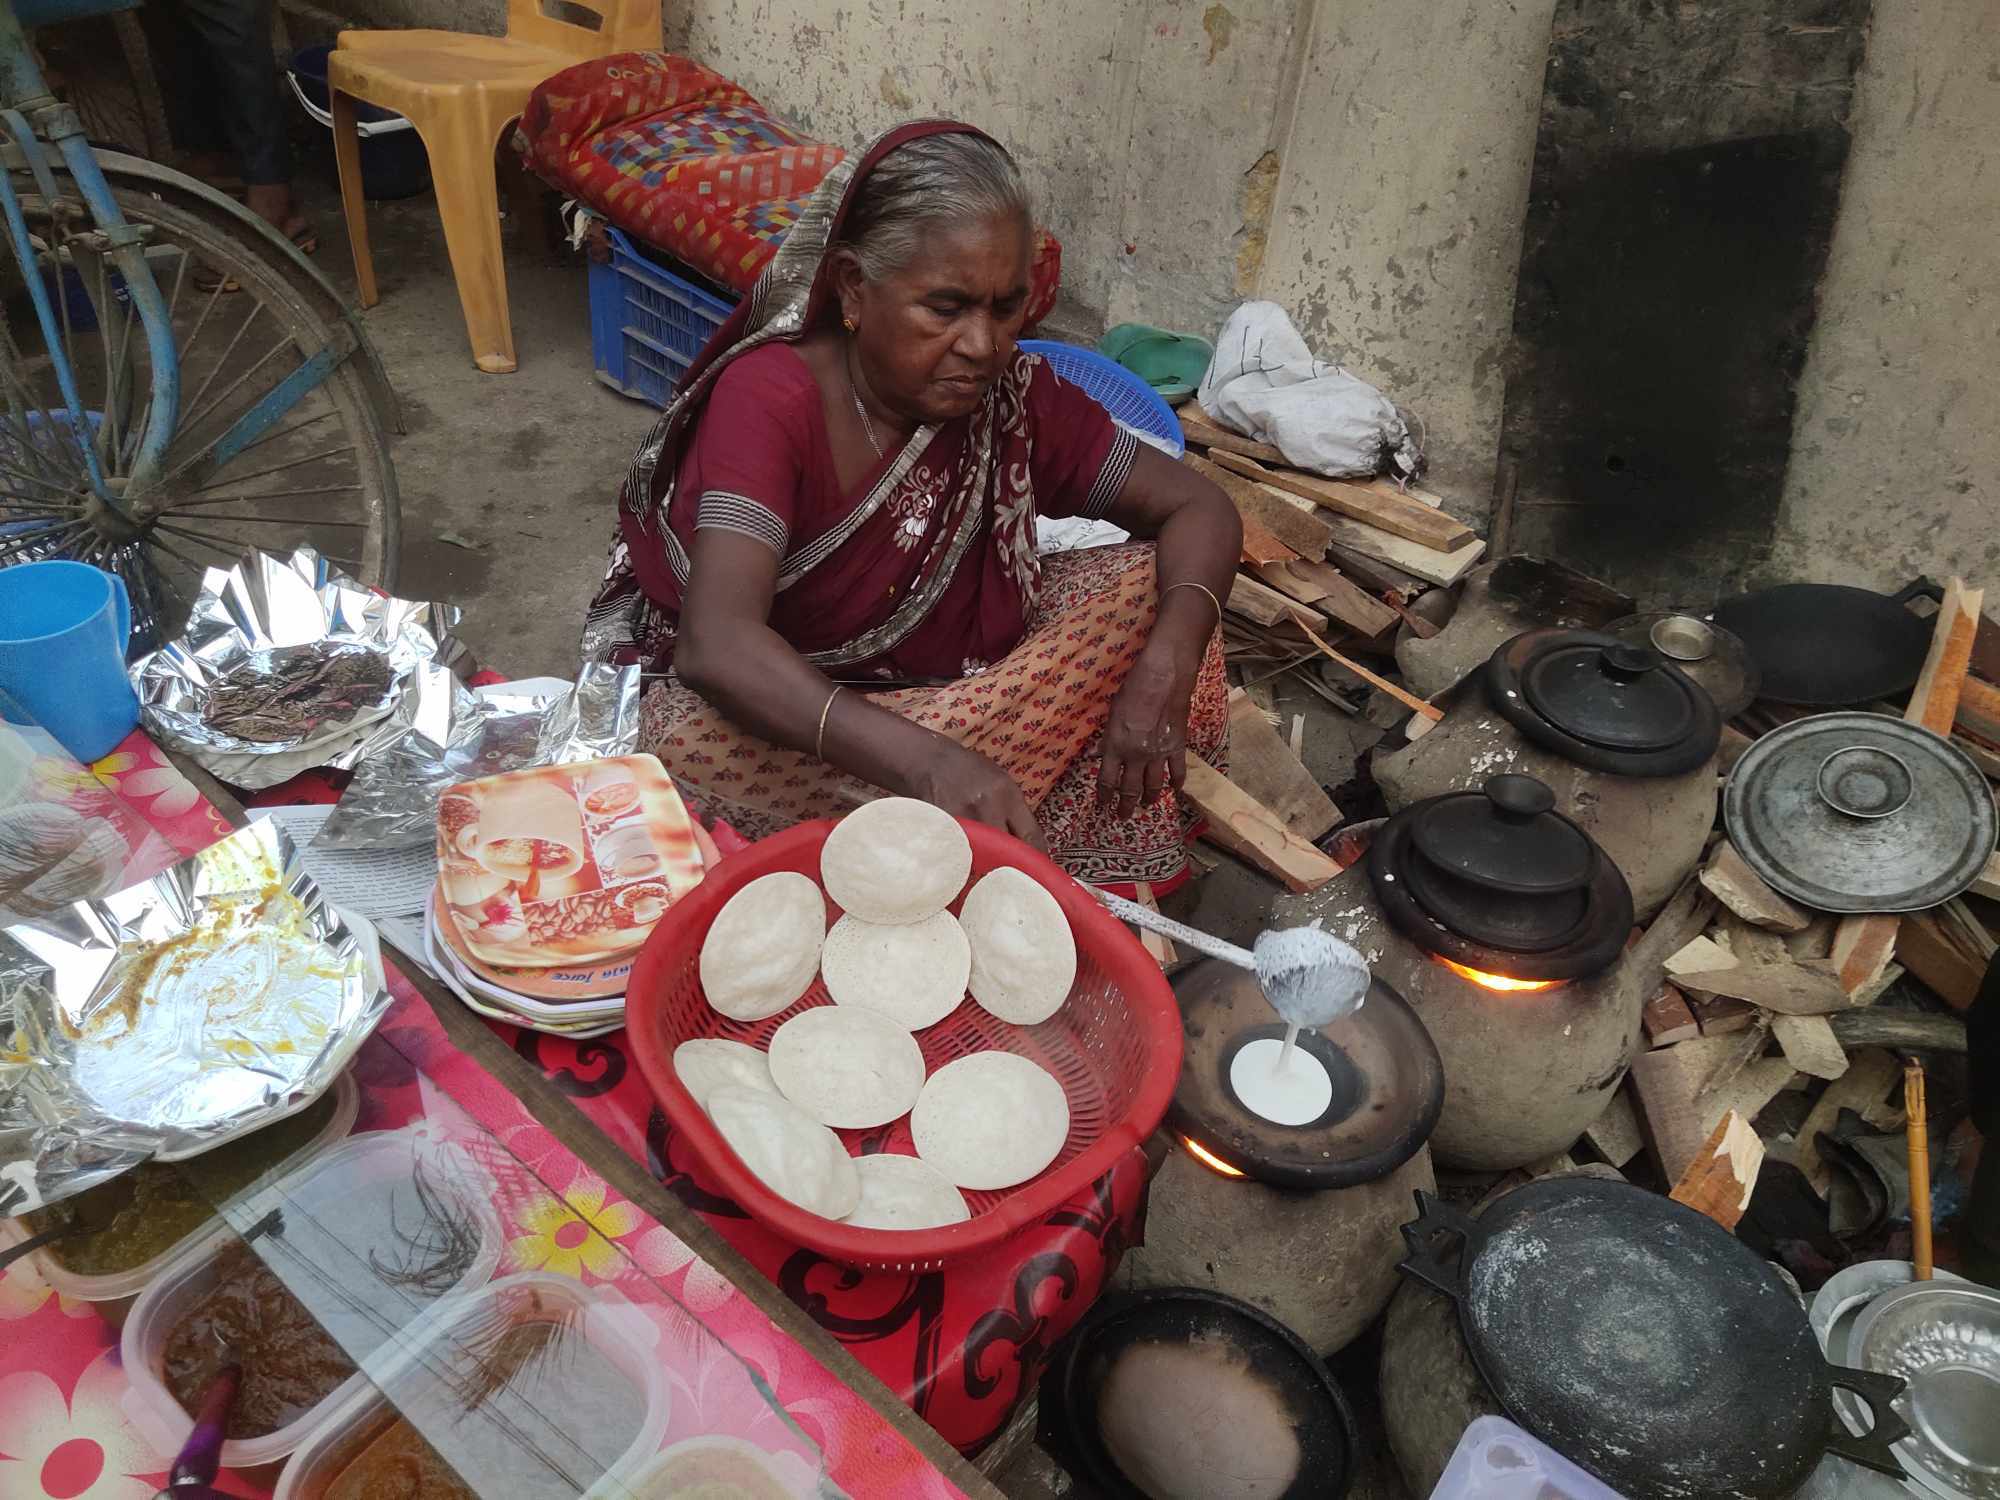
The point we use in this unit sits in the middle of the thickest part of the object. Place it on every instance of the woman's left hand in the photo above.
(1145, 735)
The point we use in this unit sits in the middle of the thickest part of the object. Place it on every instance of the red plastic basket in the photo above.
(1115, 1047)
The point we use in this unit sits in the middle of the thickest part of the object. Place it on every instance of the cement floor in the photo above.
(509, 485)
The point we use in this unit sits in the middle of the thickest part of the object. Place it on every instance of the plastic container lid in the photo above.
(317, 1204)
(356, 1413)
(116, 1286)
(1495, 1460)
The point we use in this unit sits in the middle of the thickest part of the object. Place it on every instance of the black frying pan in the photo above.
(1826, 645)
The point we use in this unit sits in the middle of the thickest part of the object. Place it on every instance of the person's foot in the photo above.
(272, 202)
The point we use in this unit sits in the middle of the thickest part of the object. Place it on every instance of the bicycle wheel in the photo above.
(246, 331)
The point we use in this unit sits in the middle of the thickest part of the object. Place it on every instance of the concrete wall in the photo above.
(1365, 163)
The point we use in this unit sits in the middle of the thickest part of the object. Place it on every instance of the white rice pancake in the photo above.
(709, 1063)
(1023, 956)
(762, 949)
(901, 1192)
(847, 1067)
(914, 974)
(895, 860)
(990, 1120)
(794, 1155)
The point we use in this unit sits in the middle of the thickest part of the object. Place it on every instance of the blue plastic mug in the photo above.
(64, 627)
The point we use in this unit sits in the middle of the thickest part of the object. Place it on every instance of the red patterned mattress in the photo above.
(679, 157)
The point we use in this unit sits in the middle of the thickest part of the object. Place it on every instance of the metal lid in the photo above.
(1709, 656)
(1388, 1084)
(1603, 702)
(1506, 837)
(1944, 1338)
(1854, 812)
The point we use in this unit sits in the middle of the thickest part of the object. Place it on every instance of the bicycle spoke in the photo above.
(217, 484)
(241, 329)
(19, 477)
(283, 432)
(41, 536)
(208, 505)
(201, 539)
(282, 521)
(235, 385)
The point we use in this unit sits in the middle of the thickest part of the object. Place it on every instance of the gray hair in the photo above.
(936, 179)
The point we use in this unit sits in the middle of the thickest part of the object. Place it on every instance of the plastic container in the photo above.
(1496, 1460)
(619, 1331)
(112, 1295)
(647, 322)
(1115, 1046)
(79, 618)
(311, 1201)
(1123, 394)
(394, 163)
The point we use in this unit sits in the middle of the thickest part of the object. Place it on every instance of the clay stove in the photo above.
(1287, 1191)
(1504, 925)
(1622, 737)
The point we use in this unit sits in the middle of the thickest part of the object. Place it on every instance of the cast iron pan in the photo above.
(1251, 1367)
(1642, 1340)
(1825, 645)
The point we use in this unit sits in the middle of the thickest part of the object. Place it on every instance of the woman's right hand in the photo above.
(968, 785)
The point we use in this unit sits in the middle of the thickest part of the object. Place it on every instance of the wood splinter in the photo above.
(1723, 1175)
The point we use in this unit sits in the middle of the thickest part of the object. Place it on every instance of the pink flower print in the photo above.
(79, 1449)
(23, 1290)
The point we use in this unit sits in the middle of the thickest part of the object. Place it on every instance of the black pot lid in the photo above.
(1549, 925)
(1826, 645)
(1603, 703)
(1153, 1387)
(1859, 812)
(1708, 655)
(1642, 1340)
(1388, 1084)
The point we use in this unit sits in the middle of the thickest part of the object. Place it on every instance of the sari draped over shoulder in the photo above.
(922, 583)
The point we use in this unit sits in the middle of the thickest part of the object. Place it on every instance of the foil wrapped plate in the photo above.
(286, 664)
(219, 996)
(1943, 1338)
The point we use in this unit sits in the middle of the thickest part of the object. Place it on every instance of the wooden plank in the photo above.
(1615, 1135)
(1722, 1015)
(1299, 524)
(1723, 1175)
(1441, 568)
(1262, 765)
(1978, 710)
(1810, 988)
(1291, 580)
(1265, 605)
(1374, 574)
(1869, 1077)
(1743, 891)
(1396, 514)
(1678, 1119)
(1165, 954)
(1250, 830)
(1199, 428)
(1381, 484)
(1408, 699)
(1908, 1030)
(1699, 954)
(1864, 945)
(1987, 882)
(1668, 1018)
(1260, 545)
(1942, 958)
(1810, 1045)
(1321, 584)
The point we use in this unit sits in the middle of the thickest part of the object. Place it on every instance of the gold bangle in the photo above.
(1191, 584)
(819, 740)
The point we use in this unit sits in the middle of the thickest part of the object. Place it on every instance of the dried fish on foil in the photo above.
(215, 998)
(392, 802)
(287, 664)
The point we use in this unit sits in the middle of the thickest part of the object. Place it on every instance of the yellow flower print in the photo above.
(569, 1238)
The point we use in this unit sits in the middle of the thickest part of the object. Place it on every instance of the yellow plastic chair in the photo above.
(461, 91)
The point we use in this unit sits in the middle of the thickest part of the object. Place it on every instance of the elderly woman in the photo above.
(827, 544)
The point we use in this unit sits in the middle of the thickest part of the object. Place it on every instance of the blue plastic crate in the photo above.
(647, 323)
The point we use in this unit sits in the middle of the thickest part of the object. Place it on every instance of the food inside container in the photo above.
(563, 865)
(535, 1388)
(292, 694)
(344, 1255)
(156, 1205)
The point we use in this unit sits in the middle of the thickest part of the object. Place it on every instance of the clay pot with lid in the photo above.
(1539, 1019)
(1624, 740)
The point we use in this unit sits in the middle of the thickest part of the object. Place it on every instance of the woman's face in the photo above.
(933, 336)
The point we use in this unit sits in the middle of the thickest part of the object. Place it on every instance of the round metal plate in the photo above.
(1388, 1084)
(1726, 673)
(1944, 1339)
(1926, 851)
(1644, 1341)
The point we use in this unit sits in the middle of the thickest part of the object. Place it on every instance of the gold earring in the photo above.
(848, 324)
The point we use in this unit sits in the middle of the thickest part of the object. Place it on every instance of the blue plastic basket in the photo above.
(647, 323)
(1128, 398)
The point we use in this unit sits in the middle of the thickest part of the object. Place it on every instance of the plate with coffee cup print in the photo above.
(564, 866)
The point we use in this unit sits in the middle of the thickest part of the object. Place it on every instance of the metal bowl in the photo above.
(1944, 1339)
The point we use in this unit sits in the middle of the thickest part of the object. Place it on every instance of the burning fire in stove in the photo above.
(1499, 982)
(1209, 1159)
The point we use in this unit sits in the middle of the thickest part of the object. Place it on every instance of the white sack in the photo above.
(1265, 383)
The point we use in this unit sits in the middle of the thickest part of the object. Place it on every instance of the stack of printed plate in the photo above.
(549, 881)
